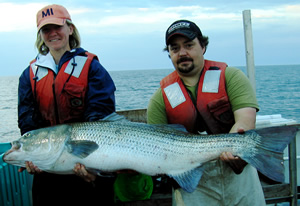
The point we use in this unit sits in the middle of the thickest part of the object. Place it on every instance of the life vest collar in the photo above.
(46, 61)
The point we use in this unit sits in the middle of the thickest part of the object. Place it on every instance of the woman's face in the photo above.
(56, 37)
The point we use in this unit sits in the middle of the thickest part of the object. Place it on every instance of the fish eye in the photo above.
(26, 135)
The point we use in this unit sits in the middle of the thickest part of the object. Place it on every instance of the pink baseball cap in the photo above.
(52, 14)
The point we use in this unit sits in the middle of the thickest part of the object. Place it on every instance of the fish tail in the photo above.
(268, 157)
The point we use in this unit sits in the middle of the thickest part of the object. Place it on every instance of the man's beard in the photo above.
(185, 70)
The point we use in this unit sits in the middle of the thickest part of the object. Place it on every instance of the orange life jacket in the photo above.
(61, 98)
(212, 108)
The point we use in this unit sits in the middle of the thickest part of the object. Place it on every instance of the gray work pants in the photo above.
(220, 186)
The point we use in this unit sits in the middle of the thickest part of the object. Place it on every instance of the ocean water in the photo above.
(277, 91)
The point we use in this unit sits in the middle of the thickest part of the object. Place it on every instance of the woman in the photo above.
(63, 84)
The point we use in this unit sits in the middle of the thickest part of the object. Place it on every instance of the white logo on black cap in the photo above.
(179, 25)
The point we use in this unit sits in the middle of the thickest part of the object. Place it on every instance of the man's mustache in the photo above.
(183, 59)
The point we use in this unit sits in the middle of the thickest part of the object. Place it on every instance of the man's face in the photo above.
(186, 55)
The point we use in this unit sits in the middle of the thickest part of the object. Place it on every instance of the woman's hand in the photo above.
(80, 171)
(31, 168)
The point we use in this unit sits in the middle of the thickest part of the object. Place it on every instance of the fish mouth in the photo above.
(10, 160)
(6, 157)
(9, 150)
(2, 158)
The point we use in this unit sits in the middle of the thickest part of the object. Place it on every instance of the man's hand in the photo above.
(235, 162)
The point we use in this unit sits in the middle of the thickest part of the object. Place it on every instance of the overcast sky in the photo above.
(129, 35)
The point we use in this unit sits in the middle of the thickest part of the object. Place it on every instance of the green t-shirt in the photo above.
(238, 87)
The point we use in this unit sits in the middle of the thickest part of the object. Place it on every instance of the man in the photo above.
(207, 96)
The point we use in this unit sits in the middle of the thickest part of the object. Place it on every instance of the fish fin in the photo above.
(188, 181)
(269, 156)
(81, 148)
(100, 172)
(113, 117)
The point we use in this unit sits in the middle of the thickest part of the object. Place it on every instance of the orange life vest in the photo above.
(212, 108)
(61, 98)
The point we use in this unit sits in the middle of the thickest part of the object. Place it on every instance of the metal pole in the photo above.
(293, 171)
(249, 47)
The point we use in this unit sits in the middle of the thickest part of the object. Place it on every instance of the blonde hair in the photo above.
(74, 40)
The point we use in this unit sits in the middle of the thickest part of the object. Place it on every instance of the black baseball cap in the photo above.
(183, 27)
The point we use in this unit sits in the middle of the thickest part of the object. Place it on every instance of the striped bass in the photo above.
(150, 149)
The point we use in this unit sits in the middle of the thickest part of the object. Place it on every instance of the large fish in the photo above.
(150, 149)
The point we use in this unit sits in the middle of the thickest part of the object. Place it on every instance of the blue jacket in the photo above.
(99, 101)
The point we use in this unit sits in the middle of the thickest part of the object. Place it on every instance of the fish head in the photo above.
(42, 147)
